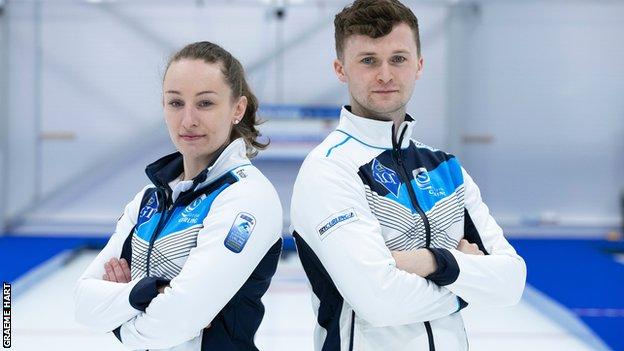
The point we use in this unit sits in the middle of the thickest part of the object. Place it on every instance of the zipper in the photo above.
(396, 152)
(430, 336)
(164, 218)
(412, 194)
(352, 330)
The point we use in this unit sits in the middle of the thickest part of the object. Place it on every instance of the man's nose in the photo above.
(384, 74)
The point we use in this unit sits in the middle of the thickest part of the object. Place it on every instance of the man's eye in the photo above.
(367, 60)
(205, 103)
(398, 59)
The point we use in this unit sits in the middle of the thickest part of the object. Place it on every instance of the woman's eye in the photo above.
(398, 59)
(205, 103)
(367, 60)
(175, 103)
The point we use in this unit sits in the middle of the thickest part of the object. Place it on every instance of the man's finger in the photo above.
(105, 277)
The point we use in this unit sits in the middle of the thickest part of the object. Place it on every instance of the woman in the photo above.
(195, 251)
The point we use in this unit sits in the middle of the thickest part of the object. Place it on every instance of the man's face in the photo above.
(380, 73)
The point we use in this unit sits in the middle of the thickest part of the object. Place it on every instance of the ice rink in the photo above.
(43, 318)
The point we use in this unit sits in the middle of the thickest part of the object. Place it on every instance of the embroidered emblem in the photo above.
(239, 232)
(241, 173)
(386, 177)
(189, 215)
(150, 208)
(335, 221)
(422, 178)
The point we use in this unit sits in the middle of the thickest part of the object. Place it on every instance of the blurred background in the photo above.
(528, 94)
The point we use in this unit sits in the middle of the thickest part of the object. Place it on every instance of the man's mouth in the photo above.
(385, 91)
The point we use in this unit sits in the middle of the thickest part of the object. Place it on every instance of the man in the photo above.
(392, 234)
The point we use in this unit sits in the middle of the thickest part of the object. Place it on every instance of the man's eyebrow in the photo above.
(401, 51)
(370, 53)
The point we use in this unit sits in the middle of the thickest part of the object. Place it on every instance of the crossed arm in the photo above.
(486, 270)
(422, 261)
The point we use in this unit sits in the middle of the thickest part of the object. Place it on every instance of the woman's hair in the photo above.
(234, 75)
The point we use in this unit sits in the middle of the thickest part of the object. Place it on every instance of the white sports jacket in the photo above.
(358, 196)
(215, 240)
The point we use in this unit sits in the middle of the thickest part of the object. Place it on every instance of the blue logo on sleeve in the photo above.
(386, 177)
(239, 232)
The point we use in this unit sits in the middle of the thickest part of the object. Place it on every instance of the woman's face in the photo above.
(199, 109)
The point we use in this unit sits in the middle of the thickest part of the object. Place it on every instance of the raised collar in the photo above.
(168, 168)
(372, 132)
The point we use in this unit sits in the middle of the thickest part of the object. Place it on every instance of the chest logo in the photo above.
(239, 232)
(189, 215)
(423, 181)
(151, 207)
(422, 178)
(386, 177)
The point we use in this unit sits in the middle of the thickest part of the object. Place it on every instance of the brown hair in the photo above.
(373, 18)
(234, 75)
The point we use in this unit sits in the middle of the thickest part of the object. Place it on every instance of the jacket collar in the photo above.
(373, 132)
(168, 168)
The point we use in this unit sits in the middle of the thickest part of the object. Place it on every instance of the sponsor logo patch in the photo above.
(336, 221)
(151, 207)
(239, 232)
(386, 177)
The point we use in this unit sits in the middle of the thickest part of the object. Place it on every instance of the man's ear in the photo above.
(421, 62)
(339, 70)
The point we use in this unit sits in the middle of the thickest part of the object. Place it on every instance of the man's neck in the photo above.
(397, 116)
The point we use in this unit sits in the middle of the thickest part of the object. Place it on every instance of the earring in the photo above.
(236, 121)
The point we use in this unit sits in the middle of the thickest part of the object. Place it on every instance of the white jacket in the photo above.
(204, 238)
(358, 196)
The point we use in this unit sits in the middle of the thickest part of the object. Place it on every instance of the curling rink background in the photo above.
(43, 318)
(528, 95)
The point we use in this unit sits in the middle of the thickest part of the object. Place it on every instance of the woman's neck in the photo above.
(194, 166)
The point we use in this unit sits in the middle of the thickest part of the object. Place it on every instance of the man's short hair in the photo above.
(373, 18)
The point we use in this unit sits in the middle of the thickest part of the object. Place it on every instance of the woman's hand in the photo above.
(117, 271)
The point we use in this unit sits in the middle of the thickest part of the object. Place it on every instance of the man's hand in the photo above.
(420, 261)
(161, 289)
(117, 271)
(468, 248)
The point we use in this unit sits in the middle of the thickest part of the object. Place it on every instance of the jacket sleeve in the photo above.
(330, 212)
(215, 269)
(100, 304)
(496, 279)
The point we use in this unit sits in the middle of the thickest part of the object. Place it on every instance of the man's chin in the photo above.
(385, 109)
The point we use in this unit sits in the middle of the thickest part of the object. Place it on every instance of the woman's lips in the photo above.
(191, 137)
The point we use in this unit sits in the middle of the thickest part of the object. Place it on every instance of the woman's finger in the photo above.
(126, 269)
